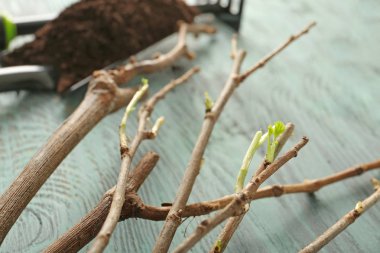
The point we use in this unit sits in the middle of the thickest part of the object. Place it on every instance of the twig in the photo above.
(161, 61)
(240, 200)
(90, 225)
(344, 222)
(130, 108)
(127, 154)
(174, 217)
(308, 186)
(269, 57)
(284, 137)
(234, 222)
(103, 97)
(83, 232)
(247, 161)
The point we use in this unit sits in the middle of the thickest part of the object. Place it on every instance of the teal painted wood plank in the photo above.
(327, 84)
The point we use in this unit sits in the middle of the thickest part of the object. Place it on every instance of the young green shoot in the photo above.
(274, 131)
(130, 108)
(255, 144)
(218, 246)
(157, 125)
(208, 102)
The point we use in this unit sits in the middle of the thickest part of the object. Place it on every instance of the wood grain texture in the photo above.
(326, 83)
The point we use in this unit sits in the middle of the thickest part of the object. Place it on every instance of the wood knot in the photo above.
(242, 197)
(359, 170)
(132, 206)
(261, 64)
(204, 223)
(149, 135)
(102, 82)
(124, 151)
(356, 214)
(148, 108)
(277, 190)
(237, 79)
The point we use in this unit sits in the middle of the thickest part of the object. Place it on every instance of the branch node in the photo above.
(359, 208)
(278, 190)
(208, 102)
(176, 217)
(211, 115)
(190, 55)
(124, 150)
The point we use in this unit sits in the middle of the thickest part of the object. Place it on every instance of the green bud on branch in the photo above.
(255, 144)
(130, 108)
(208, 102)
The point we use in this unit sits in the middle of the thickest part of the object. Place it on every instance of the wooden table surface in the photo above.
(327, 84)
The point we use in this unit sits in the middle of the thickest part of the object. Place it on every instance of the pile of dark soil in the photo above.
(94, 33)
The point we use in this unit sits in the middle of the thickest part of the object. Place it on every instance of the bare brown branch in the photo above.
(126, 73)
(344, 222)
(83, 232)
(266, 59)
(137, 209)
(127, 155)
(234, 222)
(236, 206)
(309, 186)
(103, 96)
(174, 217)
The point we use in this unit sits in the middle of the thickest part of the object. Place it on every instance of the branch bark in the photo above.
(344, 222)
(174, 217)
(103, 96)
(135, 209)
(83, 232)
(127, 154)
(309, 186)
(236, 206)
(233, 223)
(125, 73)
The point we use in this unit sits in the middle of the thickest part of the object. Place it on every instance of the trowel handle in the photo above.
(10, 28)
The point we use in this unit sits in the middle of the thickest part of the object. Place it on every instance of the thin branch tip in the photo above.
(376, 183)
